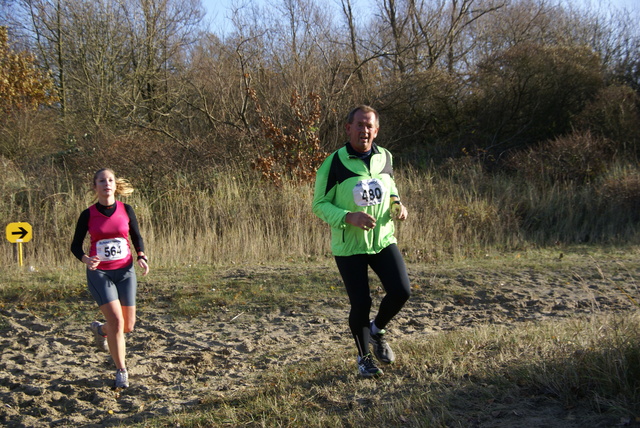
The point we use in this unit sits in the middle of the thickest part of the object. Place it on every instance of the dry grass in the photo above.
(490, 375)
(455, 212)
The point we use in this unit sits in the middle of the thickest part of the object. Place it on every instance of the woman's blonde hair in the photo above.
(123, 187)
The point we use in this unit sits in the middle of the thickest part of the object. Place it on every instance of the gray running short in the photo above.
(109, 285)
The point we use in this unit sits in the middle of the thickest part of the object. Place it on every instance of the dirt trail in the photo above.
(51, 374)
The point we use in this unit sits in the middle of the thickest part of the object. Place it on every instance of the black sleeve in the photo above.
(134, 230)
(82, 227)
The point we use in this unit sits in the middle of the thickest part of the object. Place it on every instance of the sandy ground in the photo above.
(52, 375)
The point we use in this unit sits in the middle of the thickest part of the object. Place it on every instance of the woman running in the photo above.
(110, 274)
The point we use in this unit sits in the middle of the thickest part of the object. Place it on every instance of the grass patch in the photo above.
(262, 288)
(576, 370)
(51, 293)
(587, 367)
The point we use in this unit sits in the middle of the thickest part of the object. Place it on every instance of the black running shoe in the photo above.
(381, 348)
(367, 366)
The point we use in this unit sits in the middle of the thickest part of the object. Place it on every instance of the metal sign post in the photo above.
(17, 233)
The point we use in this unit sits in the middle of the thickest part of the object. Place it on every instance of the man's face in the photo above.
(362, 131)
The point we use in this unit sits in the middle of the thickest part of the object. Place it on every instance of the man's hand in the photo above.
(362, 220)
(399, 211)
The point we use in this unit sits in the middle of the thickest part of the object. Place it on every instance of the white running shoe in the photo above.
(122, 378)
(100, 340)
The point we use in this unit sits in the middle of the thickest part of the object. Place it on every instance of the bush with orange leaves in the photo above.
(22, 85)
(292, 156)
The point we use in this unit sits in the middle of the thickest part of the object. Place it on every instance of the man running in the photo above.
(355, 193)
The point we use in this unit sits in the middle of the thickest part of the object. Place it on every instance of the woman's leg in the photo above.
(114, 329)
(120, 314)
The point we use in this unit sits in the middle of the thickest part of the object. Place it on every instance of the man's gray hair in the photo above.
(366, 109)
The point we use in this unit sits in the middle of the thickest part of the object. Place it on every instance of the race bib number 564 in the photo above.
(112, 249)
(368, 192)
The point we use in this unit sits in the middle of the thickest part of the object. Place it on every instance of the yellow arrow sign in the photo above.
(19, 232)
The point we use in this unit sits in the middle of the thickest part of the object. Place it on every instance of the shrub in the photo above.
(576, 158)
(614, 114)
(619, 193)
(294, 154)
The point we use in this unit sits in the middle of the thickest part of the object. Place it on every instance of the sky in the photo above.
(218, 10)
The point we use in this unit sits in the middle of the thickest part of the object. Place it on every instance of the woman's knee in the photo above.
(129, 314)
(115, 325)
(120, 324)
(129, 324)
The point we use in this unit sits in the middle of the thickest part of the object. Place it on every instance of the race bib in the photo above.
(112, 249)
(368, 192)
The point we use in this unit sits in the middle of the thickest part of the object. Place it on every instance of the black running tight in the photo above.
(389, 265)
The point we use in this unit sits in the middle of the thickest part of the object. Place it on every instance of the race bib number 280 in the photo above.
(112, 249)
(368, 192)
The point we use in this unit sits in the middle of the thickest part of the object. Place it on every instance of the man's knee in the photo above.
(400, 295)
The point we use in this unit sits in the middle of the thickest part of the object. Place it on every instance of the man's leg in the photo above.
(390, 268)
(354, 272)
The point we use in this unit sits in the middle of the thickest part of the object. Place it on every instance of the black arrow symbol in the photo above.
(23, 232)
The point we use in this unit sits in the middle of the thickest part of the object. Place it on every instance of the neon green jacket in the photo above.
(344, 184)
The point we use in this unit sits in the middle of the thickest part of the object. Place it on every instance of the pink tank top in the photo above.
(110, 237)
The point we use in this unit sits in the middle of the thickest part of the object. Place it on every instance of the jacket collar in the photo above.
(353, 154)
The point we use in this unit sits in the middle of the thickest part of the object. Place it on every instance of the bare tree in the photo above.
(115, 62)
(347, 10)
(444, 29)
